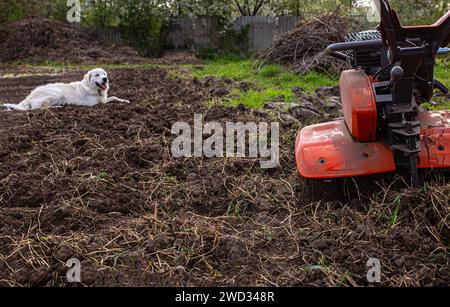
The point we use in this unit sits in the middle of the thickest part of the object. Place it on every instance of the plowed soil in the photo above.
(100, 184)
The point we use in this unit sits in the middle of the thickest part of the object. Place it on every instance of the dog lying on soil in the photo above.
(92, 90)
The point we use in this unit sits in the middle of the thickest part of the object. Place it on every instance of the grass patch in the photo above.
(442, 71)
(271, 81)
(276, 82)
(442, 74)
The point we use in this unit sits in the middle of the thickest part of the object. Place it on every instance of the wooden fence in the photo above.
(202, 31)
(263, 30)
(111, 35)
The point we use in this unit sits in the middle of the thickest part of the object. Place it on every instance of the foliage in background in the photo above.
(105, 11)
(14, 10)
(56, 10)
(252, 7)
(230, 41)
(138, 20)
(234, 41)
(10, 11)
(101, 13)
(147, 22)
(307, 8)
(420, 12)
(177, 8)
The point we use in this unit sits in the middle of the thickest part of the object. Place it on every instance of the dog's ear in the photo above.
(87, 77)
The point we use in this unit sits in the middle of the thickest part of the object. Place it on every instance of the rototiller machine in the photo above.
(384, 129)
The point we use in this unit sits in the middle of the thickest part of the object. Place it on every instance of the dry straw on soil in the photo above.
(100, 184)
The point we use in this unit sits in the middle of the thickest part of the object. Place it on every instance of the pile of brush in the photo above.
(303, 48)
(36, 40)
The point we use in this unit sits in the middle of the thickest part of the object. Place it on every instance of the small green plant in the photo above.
(302, 233)
(268, 233)
(100, 176)
(185, 250)
(394, 216)
(310, 268)
(233, 210)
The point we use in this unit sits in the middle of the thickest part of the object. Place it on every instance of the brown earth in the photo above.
(100, 184)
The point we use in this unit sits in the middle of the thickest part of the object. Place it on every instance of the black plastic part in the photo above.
(336, 50)
(438, 85)
(415, 180)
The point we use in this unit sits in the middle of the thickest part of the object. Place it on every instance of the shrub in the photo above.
(10, 11)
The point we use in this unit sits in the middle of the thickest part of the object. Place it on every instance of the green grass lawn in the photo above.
(442, 72)
(271, 81)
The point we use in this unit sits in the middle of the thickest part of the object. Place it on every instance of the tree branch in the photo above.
(258, 5)
(239, 7)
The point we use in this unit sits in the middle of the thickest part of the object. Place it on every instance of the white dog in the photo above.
(89, 92)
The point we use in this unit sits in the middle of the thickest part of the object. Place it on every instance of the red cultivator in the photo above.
(384, 128)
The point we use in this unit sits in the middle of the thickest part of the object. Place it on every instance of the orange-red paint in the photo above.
(328, 151)
(358, 102)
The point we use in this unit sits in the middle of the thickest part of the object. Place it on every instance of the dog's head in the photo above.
(97, 79)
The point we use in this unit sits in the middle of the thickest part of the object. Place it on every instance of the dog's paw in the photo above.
(126, 101)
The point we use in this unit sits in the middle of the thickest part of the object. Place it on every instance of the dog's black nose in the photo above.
(105, 79)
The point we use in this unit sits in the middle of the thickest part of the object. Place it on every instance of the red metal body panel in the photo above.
(328, 150)
(435, 138)
(358, 102)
